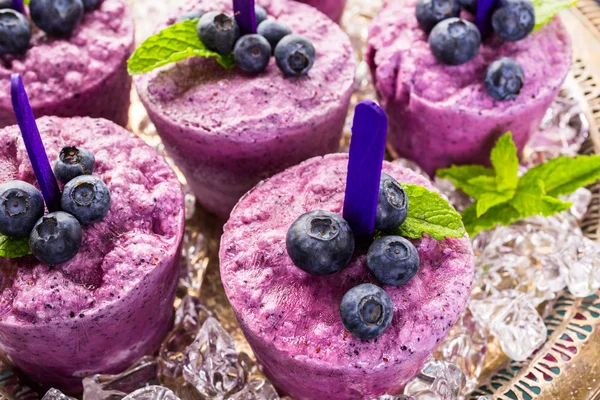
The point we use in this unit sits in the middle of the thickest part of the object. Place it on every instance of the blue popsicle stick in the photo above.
(33, 143)
(482, 19)
(367, 149)
(18, 6)
(245, 15)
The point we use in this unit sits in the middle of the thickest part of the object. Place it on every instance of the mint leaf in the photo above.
(492, 199)
(506, 163)
(26, 2)
(533, 200)
(174, 43)
(564, 175)
(502, 214)
(545, 10)
(11, 247)
(462, 176)
(428, 212)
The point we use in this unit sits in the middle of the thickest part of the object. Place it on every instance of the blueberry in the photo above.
(320, 243)
(218, 32)
(252, 53)
(21, 205)
(195, 14)
(87, 198)
(454, 41)
(393, 260)
(430, 12)
(91, 5)
(15, 32)
(261, 14)
(56, 238)
(514, 19)
(73, 162)
(469, 5)
(6, 4)
(274, 31)
(366, 311)
(295, 55)
(56, 17)
(392, 204)
(504, 79)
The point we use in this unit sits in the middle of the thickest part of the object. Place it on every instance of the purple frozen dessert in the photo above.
(292, 319)
(82, 75)
(113, 302)
(332, 8)
(442, 115)
(227, 129)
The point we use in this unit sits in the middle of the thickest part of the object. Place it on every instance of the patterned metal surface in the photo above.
(567, 366)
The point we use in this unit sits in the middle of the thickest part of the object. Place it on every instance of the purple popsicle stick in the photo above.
(367, 148)
(33, 143)
(18, 6)
(245, 15)
(482, 19)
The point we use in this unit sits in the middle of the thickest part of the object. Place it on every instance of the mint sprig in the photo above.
(546, 10)
(501, 197)
(174, 43)
(430, 213)
(11, 247)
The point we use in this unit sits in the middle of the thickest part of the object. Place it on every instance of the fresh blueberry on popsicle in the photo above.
(295, 55)
(15, 32)
(252, 53)
(455, 41)
(261, 14)
(392, 204)
(56, 238)
(56, 17)
(430, 12)
(393, 260)
(91, 5)
(87, 198)
(21, 206)
(366, 311)
(504, 79)
(72, 162)
(514, 19)
(274, 31)
(320, 243)
(6, 4)
(218, 32)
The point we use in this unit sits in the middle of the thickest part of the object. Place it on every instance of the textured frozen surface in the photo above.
(227, 130)
(56, 323)
(85, 75)
(291, 319)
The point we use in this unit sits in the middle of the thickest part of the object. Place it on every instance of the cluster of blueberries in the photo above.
(455, 41)
(322, 243)
(55, 17)
(56, 237)
(295, 54)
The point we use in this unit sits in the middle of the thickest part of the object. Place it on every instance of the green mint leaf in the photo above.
(533, 200)
(546, 10)
(490, 200)
(564, 175)
(174, 43)
(26, 2)
(506, 162)
(428, 212)
(502, 214)
(11, 247)
(462, 176)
